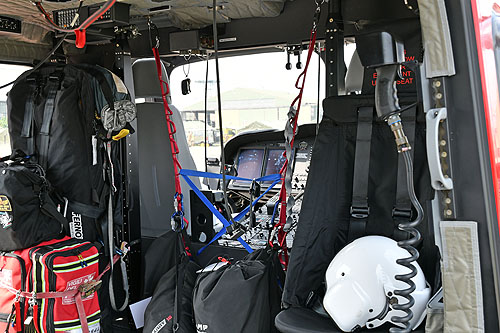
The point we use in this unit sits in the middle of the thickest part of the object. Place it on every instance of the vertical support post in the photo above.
(131, 231)
(334, 47)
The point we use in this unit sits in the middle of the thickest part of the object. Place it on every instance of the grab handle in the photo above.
(433, 117)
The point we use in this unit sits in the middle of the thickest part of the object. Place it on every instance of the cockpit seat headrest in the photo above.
(146, 82)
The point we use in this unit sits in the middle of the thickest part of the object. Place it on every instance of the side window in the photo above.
(9, 73)
(256, 92)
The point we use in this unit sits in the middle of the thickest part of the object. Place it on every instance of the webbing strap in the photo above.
(402, 207)
(275, 178)
(195, 173)
(29, 111)
(87, 210)
(359, 206)
(165, 90)
(287, 202)
(48, 112)
(180, 272)
(217, 214)
(49, 209)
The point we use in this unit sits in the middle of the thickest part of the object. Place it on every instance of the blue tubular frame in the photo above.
(185, 174)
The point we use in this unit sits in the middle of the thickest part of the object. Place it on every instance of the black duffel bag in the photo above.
(243, 297)
(28, 215)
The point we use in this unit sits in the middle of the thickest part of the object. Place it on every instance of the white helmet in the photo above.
(360, 285)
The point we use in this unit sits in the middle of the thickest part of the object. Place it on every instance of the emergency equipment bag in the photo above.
(28, 215)
(67, 267)
(15, 267)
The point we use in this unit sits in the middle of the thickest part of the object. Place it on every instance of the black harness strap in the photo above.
(48, 112)
(29, 111)
(402, 208)
(180, 272)
(359, 207)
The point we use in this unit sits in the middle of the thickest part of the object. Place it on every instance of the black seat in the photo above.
(324, 221)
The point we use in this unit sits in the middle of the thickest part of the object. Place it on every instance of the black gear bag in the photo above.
(28, 215)
(171, 306)
(242, 297)
(55, 115)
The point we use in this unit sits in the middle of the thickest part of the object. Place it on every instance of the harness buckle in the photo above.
(401, 213)
(360, 212)
(89, 288)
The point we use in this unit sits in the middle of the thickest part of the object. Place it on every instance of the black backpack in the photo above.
(243, 297)
(28, 215)
(54, 115)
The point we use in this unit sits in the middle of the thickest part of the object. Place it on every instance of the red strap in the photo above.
(297, 102)
(81, 313)
(81, 38)
(165, 90)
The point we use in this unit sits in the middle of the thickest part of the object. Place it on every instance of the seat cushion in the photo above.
(302, 320)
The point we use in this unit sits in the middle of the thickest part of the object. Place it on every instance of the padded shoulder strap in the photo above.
(29, 110)
(48, 112)
(359, 207)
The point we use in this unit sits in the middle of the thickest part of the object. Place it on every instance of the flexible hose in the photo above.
(408, 245)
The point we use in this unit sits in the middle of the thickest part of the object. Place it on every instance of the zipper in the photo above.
(36, 248)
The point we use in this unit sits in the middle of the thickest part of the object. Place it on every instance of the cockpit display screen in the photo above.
(250, 163)
(275, 161)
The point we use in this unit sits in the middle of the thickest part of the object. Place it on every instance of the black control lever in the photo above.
(386, 98)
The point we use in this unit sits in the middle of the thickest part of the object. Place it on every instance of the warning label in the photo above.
(407, 76)
(6, 277)
(74, 284)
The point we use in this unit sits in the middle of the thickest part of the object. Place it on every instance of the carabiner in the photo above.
(151, 27)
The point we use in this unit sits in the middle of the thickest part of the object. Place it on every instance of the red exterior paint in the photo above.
(481, 10)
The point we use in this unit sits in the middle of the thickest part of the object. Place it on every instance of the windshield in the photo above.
(9, 73)
(256, 93)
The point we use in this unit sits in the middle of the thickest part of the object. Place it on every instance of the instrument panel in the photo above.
(251, 156)
(255, 161)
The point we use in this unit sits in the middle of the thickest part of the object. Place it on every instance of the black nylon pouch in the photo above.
(241, 297)
(25, 208)
(159, 315)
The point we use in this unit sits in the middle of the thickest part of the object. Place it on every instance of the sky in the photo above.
(258, 71)
(9, 73)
